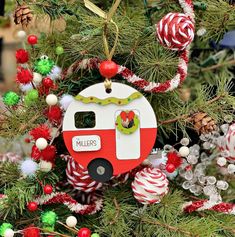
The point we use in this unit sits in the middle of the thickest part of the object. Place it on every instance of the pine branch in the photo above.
(169, 227)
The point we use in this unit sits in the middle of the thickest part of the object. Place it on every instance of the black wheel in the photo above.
(100, 170)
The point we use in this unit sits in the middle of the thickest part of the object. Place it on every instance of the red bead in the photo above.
(48, 189)
(84, 232)
(108, 69)
(32, 39)
(170, 168)
(47, 82)
(32, 206)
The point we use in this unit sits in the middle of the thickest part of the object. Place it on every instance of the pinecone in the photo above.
(23, 15)
(202, 122)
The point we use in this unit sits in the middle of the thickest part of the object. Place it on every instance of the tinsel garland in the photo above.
(202, 205)
(72, 204)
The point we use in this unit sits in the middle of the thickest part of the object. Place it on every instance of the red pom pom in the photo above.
(22, 56)
(31, 231)
(54, 114)
(84, 232)
(48, 189)
(49, 153)
(35, 153)
(23, 76)
(170, 168)
(108, 69)
(41, 131)
(48, 82)
(32, 206)
(174, 159)
(32, 39)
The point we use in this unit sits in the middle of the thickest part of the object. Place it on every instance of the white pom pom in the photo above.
(21, 34)
(45, 166)
(51, 99)
(9, 233)
(41, 143)
(55, 73)
(66, 100)
(26, 87)
(28, 167)
(184, 151)
(71, 221)
(37, 78)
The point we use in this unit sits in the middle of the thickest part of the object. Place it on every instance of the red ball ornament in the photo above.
(170, 168)
(32, 206)
(32, 39)
(22, 56)
(108, 69)
(31, 231)
(48, 189)
(84, 232)
(48, 82)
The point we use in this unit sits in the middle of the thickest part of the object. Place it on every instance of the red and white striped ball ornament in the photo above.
(150, 185)
(175, 31)
(229, 144)
(78, 176)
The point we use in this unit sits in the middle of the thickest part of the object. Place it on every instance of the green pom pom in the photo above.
(11, 98)
(49, 218)
(59, 50)
(4, 227)
(95, 235)
(32, 94)
(44, 65)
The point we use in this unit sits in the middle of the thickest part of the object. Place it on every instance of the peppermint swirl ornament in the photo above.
(79, 178)
(150, 185)
(175, 31)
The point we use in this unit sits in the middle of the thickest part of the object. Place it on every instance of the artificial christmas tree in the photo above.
(68, 84)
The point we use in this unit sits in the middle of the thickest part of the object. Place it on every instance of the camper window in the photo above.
(84, 119)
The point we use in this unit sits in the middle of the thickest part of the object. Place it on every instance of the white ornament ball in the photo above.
(221, 161)
(150, 185)
(45, 166)
(66, 100)
(184, 151)
(9, 233)
(231, 168)
(28, 167)
(37, 77)
(41, 143)
(71, 221)
(51, 99)
(21, 34)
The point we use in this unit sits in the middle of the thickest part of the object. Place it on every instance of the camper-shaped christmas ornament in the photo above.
(109, 133)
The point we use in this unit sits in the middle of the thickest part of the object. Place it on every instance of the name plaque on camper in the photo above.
(86, 143)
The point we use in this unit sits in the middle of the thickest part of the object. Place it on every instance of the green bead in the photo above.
(11, 98)
(95, 235)
(32, 94)
(59, 50)
(4, 227)
(49, 218)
